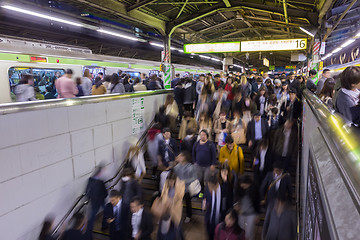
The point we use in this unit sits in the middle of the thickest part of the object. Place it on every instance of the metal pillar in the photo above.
(167, 62)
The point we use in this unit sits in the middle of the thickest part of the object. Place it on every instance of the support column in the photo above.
(167, 62)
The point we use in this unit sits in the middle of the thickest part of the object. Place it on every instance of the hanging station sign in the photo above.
(274, 45)
(219, 47)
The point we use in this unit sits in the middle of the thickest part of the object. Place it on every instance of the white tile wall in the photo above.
(10, 163)
(37, 154)
(82, 141)
(102, 135)
(8, 132)
(52, 156)
(84, 163)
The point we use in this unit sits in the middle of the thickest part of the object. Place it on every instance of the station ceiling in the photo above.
(191, 21)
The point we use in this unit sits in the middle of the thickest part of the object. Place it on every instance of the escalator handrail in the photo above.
(141, 143)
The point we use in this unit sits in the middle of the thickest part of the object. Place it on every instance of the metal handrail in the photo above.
(141, 142)
(345, 140)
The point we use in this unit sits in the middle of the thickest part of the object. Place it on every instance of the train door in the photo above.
(94, 71)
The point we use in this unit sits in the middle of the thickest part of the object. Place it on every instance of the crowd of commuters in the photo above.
(216, 118)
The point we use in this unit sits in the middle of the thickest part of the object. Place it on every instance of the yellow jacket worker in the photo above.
(233, 155)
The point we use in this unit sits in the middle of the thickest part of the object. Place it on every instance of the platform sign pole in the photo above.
(167, 64)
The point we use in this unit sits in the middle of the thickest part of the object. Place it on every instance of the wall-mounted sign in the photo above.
(290, 67)
(138, 111)
(253, 69)
(266, 62)
(219, 47)
(38, 59)
(271, 67)
(274, 45)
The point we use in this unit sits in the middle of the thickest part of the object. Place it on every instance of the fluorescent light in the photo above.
(215, 59)
(192, 54)
(157, 44)
(118, 35)
(180, 50)
(203, 56)
(337, 50)
(358, 34)
(347, 43)
(16, 9)
(306, 31)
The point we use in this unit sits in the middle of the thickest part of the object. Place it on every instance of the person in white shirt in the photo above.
(141, 221)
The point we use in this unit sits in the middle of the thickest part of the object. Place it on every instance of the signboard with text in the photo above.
(274, 45)
(219, 47)
(137, 116)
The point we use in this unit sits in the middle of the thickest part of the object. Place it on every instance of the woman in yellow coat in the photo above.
(232, 154)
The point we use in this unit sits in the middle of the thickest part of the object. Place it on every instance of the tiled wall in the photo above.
(47, 156)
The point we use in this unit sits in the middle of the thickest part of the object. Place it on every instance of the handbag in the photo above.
(157, 208)
(194, 188)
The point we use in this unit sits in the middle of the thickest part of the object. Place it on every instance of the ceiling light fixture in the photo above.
(347, 43)
(40, 15)
(203, 56)
(118, 35)
(157, 45)
(307, 32)
(337, 50)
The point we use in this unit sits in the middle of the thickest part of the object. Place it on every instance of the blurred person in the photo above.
(188, 122)
(129, 186)
(327, 92)
(136, 158)
(175, 80)
(98, 88)
(144, 79)
(245, 86)
(161, 118)
(115, 85)
(46, 229)
(117, 216)
(141, 222)
(154, 136)
(277, 86)
(208, 88)
(204, 156)
(248, 108)
(127, 84)
(256, 85)
(65, 86)
(237, 103)
(205, 123)
(263, 161)
(217, 82)
(348, 95)
(24, 91)
(222, 128)
(107, 83)
(293, 82)
(321, 81)
(261, 100)
(79, 87)
(232, 154)
(275, 120)
(283, 95)
(189, 95)
(153, 84)
(188, 142)
(229, 229)
(179, 98)
(86, 83)
(285, 143)
(168, 208)
(215, 202)
(291, 109)
(238, 129)
(78, 230)
(272, 183)
(203, 105)
(302, 85)
(100, 75)
(171, 110)
(229, 92)
(96, 193)
(187, 173)
(270, 104)
(269, 87)
(310, 84)
(265, 77)
(139, 86)
(200, 84)
(49, 93)
(168, 149)
(247, 205)
(280, 223)
(38, 94)
(219, 99)
(257, 130)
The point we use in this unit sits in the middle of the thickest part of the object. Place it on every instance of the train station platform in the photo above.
(49, 149)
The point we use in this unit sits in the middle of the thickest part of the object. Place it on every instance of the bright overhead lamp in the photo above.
(180, 50)
(337, 50)
(347, 43)
(203, 56)
(157, 45)
(358, 34)
(215, 59)
(39, 15)
(307, 32)
(118, 35)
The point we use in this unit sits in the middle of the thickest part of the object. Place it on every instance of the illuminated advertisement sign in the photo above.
(253, 69)
(274, 45)
(38, 59)
(290, 67)
(212, 47)
(266, 62)
(271, 67)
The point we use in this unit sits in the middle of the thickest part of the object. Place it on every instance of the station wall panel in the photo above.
(47, 156)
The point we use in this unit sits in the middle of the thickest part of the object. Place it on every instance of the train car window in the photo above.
(152, 72)
(94, 71)
(133, 75)
(44, 78)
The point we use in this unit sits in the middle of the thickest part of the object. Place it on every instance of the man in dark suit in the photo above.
(263, 161)
(78, 230)
(96, 193)
(291, 109)
(257, 129)
(116, 214)
(167, 149)
(293, 83)
(141, 222)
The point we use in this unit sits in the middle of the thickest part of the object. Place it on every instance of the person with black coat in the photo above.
(162, 118)
(179, 97)
(117, 215)
(188, 142)
(78, 230)
(257, 129)
(140, 222)
(129, 186)
(291, 109)
(263, 161)
(96, 193)
(247, 205)
(168, 149)
(293, 82)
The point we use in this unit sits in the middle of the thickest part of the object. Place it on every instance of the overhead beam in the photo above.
(181, 3)
(181, 10)
(227, 3)
(139, 5)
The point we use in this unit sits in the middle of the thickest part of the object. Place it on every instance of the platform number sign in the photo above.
(137, 115)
